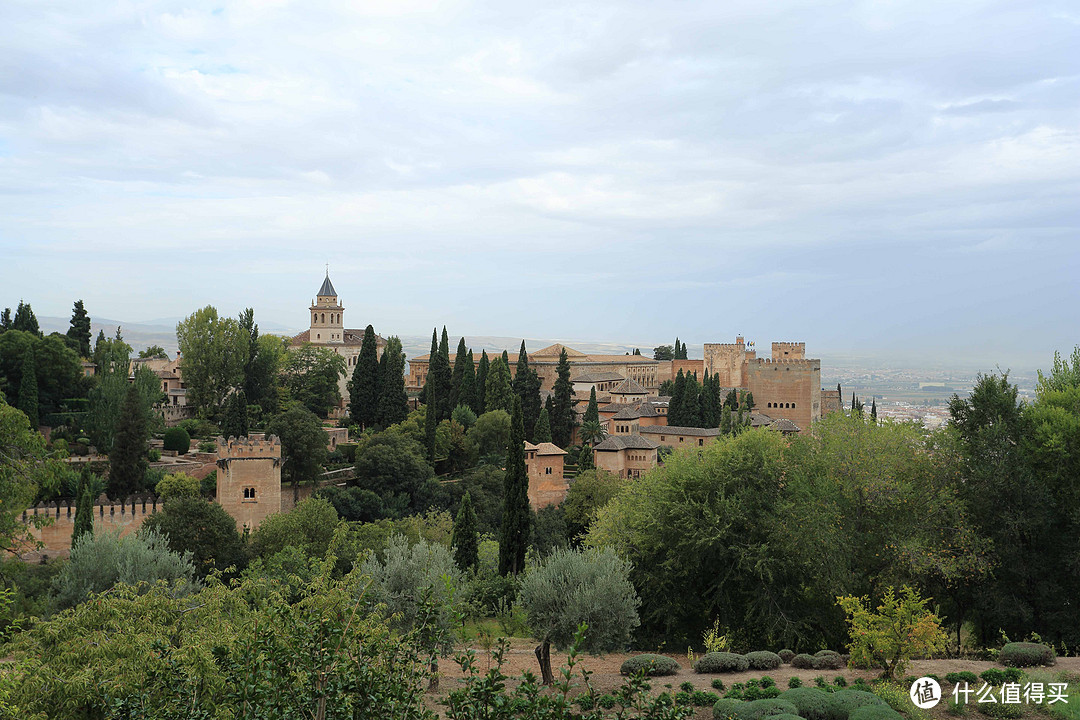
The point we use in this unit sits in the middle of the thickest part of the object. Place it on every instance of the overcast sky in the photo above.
(864, 176)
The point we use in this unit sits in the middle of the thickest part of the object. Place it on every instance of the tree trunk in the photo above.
(543, 656)
(433, 681)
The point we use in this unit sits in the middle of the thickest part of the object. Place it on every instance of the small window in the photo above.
(700, 442)
(681, 439)
(661, 438)
(547, 471)
(249, 494)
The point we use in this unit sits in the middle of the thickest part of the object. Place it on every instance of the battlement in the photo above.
(809, 363)
(794, 350)
(256, 445)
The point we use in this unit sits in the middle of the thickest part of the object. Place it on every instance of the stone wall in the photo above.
(108, 516)
(786, 389)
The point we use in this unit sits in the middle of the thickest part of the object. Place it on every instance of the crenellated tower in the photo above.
(249, 478)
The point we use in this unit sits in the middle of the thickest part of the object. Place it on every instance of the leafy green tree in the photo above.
(394, 466)
(102, 561)
(591, 490)
(25, 319)
(177, 485)
(514, 534)
(527, 387)
(25, 467)
(463, 416)
(353, 503)
(309, 526)
(542, 433)
(200, 530)
(108, 395)
(235, 424)
(154, 351)
(482, 369)
(571, 588)
(57, 372)
(5, 320)
(363, 388)
(393, 402)
(127, 461)
(901, 629)
(585, 457)
(562, 416)
(466, 540)
(1064, 375)
(499, 393)
(79, 332)
(491, 433)
(215, 352)
(303, 445)
(28, 390)
(311, 376)
(663, 352)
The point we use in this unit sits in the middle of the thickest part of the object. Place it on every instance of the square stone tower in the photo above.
(249, 478)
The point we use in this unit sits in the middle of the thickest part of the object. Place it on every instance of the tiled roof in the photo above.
(626, 442)
(555, 350)
(785, 426)
(760, 419)
(546, 448)
(350, 337)
(640, 409)
(327, 287)
(597, 377)
(628, 387)
(676, 430)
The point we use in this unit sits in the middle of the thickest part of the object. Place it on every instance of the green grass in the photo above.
(1059, 710)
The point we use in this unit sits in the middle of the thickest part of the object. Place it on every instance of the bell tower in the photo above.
(327, 316)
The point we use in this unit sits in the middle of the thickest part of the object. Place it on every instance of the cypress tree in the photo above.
(25, 319)
(84, 508)
(458, 376)
(853, 402)
(79, 331)
(5, 320)
(592, 412)
(363, 387)
(725, 420)
(393, 402)
(690, 408)
(430, 423)
(482, 370)
(710, 401)
(514, 533)
(467, 390)
(542, 433)
(585, 458)
(527, 387)
(465, 539)
(28, 389)
(677, 354)
(675, 405)
(499, 393)
(732, 399)
(749, 401)
(873, 410)
(235, 424)
(444, 375)
(562, 416)
(127, 461)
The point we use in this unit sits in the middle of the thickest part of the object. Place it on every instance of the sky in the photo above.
(887, 177)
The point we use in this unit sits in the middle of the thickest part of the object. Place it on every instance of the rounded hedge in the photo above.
(828, 660)
(176, 439)
(652, 665)
(724, 709)
(764, 708)
(718, 662)
(763, 660)
(802, 661)
(955, 678)
(848, 701)
(812, 704)
(1025, 654)
(875, 712)
(786, 655)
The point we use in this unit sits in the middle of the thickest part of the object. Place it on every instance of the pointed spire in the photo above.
(327, 288)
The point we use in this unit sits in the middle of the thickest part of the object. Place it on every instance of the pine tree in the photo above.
(592, 412)
(28, 389)
(25, 319)
(84, 508)
(514, 533)
(499, 394)
(675, 405)
(562, 416)
(467, 390)
(430, 422)
(444, 374)
(527, 387)
(363, 386)
(458, 375)
(79, 331)
(542, 433)
(235, 424)
(393, 402)
(127, 461)
(465, 539)
(482, 370)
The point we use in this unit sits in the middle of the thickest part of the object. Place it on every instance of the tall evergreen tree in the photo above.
(482, 370)
(731, 401)
(467, 390)
(28, 389)
(853, 402)
(527, 387)
(444, 374)
(725, 420)
(873, 410)
(514, 533)
(363, 387)
(432, 361)
(562, 417)
(542, 433)
(25, 319)
(235, 424)
(84, 508)
(678, 354)
(748, 401)
(710, 401)
(5, 320)
(465, 539)
(458, 376)
(585, 458)
(499, 394)
(690, 408)
(127, 461)
(430, 422)
(592, 412)
(79, 331)
(675, 405)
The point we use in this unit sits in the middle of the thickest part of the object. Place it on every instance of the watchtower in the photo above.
(249, 478)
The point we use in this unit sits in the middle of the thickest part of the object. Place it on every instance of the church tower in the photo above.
(327, 316)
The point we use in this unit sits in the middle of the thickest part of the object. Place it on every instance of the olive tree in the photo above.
(572, 587)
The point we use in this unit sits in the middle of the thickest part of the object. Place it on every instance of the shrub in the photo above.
(763, 660)
(725, 708)
(993, 676)
(812, 704)
(956, 708)
(839, 681)
(177, 440)
(201, 530)
(687, 686)
(828, 660)
(767, 682)
(819, 681)
(1026, 654)
(802, 661)
(703, 698)
(757, 692)
(682, 698)
(785, 655)
(848, 701)
(794, 682)
(606, 701)
(900, 628)
(860, 684)
(207, 446)
(764, 708)
(651, 665)
(875, 712)
(154, 454)
(718, 662)
(585, 701)
(955, 678)
(717, 684)
(177, 485)
(1007, 711)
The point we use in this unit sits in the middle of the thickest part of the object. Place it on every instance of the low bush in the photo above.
(767, 682)
(819, 681)
(687, 686)
(585, 701)
(955, 678)
(651, 665)
(875, 712)
(785, 655)
(682, 698)
(956, 709)
(839, 681)
(724, 709)
(606, 701)
(860, 684)
(993, 676)
(847, 702)
(703, 698)
(794, 682)
(177, 440)
(763, 660)
(812, 704)
(764, 708)
(717, 684)
(802, 661)
(1005, 711)
(718, 662)
(828, 660)
(757, 692)
(1026, 654)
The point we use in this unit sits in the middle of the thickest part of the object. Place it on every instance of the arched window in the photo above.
(324, 317)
